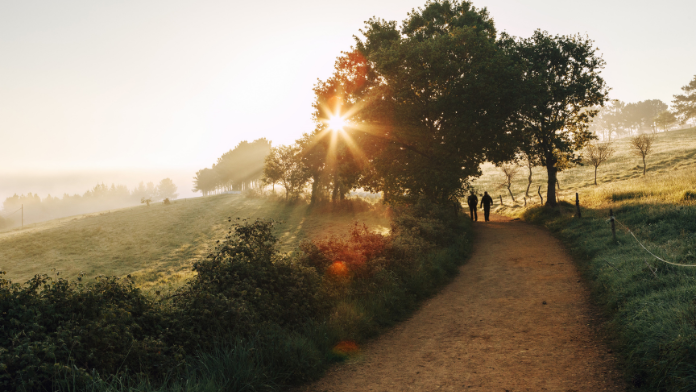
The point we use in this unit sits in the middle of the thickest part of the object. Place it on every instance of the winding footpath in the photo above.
(516, 318)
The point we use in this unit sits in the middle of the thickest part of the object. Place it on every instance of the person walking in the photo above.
(486, 202)
(472, 200)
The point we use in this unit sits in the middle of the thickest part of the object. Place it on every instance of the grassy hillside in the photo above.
(651, 304)
(674, 156)
(157, 244)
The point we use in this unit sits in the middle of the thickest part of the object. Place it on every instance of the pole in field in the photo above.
(577, 205)
(22, 216)
(613, 228)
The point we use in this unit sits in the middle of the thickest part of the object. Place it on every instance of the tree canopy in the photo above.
(561, 88)
(685, 104)
(427, 103)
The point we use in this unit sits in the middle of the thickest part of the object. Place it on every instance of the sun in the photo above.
(336, 123)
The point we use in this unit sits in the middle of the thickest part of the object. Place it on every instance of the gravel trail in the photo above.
(516, 318)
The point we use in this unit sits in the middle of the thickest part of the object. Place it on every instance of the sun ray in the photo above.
(354, 148)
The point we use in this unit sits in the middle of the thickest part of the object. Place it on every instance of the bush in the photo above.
(246, 283)
(250, 319)
(50, 329)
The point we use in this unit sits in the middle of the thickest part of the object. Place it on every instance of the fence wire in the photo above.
(648, 250)
(17, 210)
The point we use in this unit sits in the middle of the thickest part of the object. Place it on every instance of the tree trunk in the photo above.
(529, 183)
(315, 189)
(334, 193)
(595, 175)
(511, 196)
(644, 167)
(551, 188)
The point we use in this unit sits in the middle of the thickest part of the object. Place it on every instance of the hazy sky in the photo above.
(149, 86)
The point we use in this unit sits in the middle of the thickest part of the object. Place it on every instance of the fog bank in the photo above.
(57, 183)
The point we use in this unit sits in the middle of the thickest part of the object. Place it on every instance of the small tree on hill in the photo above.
(166, 189)
(529, 163)
(642, 147)
(510, 172)
(598, 153)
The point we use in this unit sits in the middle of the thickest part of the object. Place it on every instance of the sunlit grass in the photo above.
(671, 175)
(650, 304)
(157, 245)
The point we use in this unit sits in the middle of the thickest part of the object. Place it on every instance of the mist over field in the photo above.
(123, 185)
(79, 181)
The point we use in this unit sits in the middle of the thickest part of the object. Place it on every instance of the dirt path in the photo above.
(517, 318)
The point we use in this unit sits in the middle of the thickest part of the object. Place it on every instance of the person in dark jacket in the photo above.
(486, 202)
(472, 200)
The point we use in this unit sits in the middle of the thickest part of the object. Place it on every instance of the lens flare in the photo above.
(338, 268)
(345, 348)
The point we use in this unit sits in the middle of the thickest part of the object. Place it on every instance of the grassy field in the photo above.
(651, 305)
(158, 244)
(674, 156)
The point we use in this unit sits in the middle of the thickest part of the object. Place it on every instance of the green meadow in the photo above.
(159, 243)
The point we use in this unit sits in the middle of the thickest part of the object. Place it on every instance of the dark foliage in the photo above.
(50, 329)
(250, 318)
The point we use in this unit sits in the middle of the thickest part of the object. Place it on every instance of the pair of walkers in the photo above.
(486, 202)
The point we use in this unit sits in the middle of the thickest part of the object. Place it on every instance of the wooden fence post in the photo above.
(577, 205)
(540, 197)
(501, 199)
(525, 201)
(613, 228)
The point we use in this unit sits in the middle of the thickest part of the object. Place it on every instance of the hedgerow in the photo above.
(251, 318)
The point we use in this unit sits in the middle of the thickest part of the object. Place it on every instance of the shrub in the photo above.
(250, 319)
(362, 253)
(52, 328)
(687, 196)
(244, 283)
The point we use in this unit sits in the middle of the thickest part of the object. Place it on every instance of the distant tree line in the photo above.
(236, 170)
(99, 198)
(620, 119)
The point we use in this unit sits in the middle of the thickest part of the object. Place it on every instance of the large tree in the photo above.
(427, 102)
(562, 85)
(685, 104)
